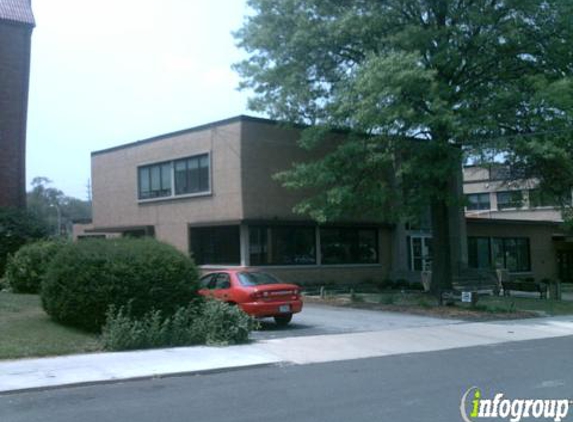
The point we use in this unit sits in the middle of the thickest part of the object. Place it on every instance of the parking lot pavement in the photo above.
(322, 319)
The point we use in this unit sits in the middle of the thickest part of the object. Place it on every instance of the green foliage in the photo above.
(17, 227)
(86, 278)
(26, 269)
(124, 332)
(410, 81)
(222, 324)
(387, 299)
(213, 323)
(54, 209)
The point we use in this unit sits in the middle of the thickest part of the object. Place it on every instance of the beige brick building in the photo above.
(209, 191)
(508, 213)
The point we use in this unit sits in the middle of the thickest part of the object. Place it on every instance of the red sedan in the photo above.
(258, 294)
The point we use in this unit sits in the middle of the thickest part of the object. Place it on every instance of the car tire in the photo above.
(283, 320)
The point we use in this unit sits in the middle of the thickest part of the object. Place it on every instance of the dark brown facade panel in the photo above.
(14, 81)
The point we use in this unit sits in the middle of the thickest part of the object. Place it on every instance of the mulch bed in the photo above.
(447, 312)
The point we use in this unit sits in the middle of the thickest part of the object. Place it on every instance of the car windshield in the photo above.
(257, 279)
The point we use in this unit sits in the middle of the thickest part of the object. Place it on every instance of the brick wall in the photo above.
(14, 76)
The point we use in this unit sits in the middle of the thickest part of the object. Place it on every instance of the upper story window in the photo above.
(509, 199)
(192, 175)
(478, 201)
(541, 198)
(155, 181)
(186, 176)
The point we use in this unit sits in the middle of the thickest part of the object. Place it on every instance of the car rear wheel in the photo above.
(282, 320)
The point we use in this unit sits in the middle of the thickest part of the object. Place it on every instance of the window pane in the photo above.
(523, 261)
(166, 178)
(192, 175)
(204, 174)
(348, 246)
(155, 179)
(497, 253)
(478, 201)
(144, 186)
(510, 199)
(282, 245)
(216, 245)
(180, 177)
(512, 253)
(539, 198)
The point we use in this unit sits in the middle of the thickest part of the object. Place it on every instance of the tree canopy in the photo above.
(492, 77)
(56, 210)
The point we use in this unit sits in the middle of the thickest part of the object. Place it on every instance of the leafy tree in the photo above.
(55, 209)
(420, 85)
(17, 227)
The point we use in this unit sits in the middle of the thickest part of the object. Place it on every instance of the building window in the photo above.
(340, 245)
(511, 253)
(509, 199)
(479, 252)
(218, 245)
(419, 252)
(478, 201)
(541, 198)
(154, 181)
(282, 245)
(192, 175)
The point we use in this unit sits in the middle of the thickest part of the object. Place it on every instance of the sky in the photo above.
(109, 72)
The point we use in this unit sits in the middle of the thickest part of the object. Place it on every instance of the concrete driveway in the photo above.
(321, 319)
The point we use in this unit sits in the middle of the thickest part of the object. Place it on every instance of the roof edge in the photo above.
(218, 123)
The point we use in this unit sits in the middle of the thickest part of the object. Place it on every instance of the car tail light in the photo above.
(259, 295)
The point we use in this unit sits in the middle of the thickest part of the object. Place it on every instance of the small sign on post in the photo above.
(469, 297)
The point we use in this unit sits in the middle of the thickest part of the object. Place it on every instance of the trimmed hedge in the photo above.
(87, 278)
(25, 269)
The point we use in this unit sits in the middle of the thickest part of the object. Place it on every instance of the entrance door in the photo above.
(420, 253)
(565, 266)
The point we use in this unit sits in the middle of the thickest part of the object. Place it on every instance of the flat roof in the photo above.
(224, 122)
(482, 220)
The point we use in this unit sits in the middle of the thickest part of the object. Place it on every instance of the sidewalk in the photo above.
(105, 367)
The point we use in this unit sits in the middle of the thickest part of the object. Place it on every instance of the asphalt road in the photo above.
(421, 387)
(320, 319)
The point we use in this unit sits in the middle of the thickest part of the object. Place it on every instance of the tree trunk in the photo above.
(442, 273)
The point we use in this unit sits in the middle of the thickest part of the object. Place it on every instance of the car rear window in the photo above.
(257, 279)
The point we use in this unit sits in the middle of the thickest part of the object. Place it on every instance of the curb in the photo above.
(140, 378)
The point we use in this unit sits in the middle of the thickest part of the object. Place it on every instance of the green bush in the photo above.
(27, 267)
(123, 332)
(17, 227)
(213, 323)
(86, 278)
(221, 324)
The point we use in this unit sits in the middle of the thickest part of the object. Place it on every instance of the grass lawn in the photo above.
(26, 331)
(488, 307)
